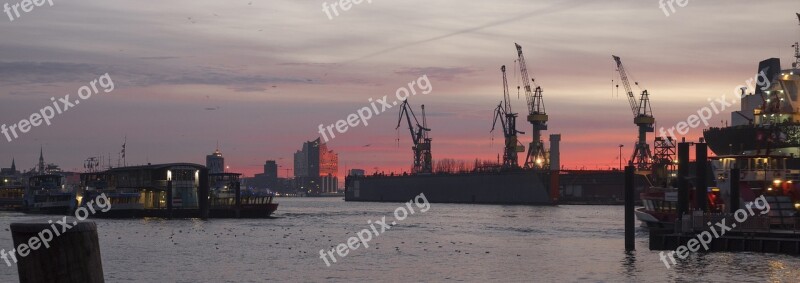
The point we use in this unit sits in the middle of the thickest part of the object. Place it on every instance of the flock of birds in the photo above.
(292, 238)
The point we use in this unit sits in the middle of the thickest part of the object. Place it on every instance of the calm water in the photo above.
(446, 243)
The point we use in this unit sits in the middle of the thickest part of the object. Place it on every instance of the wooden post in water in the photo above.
(701, 170)
(683, 179)
(72, 256)
(238, 187)
(630, 229)
(169, 199)
(203, 193)
(734, 190)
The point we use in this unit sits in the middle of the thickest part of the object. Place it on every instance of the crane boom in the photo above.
(534, 98)
(623, 76)
(506, 95)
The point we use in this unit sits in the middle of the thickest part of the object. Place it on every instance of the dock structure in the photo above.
(752, 235)
(71, 256)
(174, 190)
(769, 224)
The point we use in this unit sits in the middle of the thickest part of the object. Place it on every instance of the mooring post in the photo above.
(72, 256)
(630, 229)
(683, 179)
(701, 170)
(203, 192)
(734, 190)
(169, 199)
(237, 186)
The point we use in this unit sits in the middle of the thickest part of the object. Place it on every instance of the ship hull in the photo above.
(246, 211)
(514, 187)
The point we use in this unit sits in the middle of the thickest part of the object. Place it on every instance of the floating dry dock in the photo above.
(175, 190)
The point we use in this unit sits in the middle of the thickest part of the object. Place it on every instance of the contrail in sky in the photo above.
(555, 8)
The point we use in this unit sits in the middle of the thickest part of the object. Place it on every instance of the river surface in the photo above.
(447, 243)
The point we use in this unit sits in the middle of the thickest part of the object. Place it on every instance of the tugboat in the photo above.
(661, 205)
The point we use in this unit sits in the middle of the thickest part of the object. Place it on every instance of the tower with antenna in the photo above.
(215, 162)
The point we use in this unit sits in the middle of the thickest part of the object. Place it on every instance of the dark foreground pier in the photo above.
(47, 255)
(779, 242)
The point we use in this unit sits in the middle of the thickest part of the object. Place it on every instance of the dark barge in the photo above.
(504, 187)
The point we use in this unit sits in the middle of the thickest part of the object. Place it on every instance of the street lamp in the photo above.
(620, 156)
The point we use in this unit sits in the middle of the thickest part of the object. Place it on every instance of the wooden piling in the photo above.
(203, 192)
(701, 170)
(73, 256)
(683, 179)
(169, 199)
(238, 199)
(630, 229)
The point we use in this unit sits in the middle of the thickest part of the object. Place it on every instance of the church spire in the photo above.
(41, 160)
(13, 165)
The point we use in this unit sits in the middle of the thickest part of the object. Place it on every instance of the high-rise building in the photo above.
(215, 162)
(271, 173)
(316, 168)
(271, 170)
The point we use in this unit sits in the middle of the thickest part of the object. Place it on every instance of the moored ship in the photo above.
(174, 190)
(763, 141)
(48, 194)
(11, 197)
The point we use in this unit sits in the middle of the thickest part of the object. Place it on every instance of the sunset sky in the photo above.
(260, 76)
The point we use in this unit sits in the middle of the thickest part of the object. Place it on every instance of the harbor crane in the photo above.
(642, 158)
(508, 120)
(419, 135)
(796, 46)
(536, 158)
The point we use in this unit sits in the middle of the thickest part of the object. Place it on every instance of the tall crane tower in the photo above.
(419, 135)
(508, 120)
(536, 158)
(796, 46)
(642, 157)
